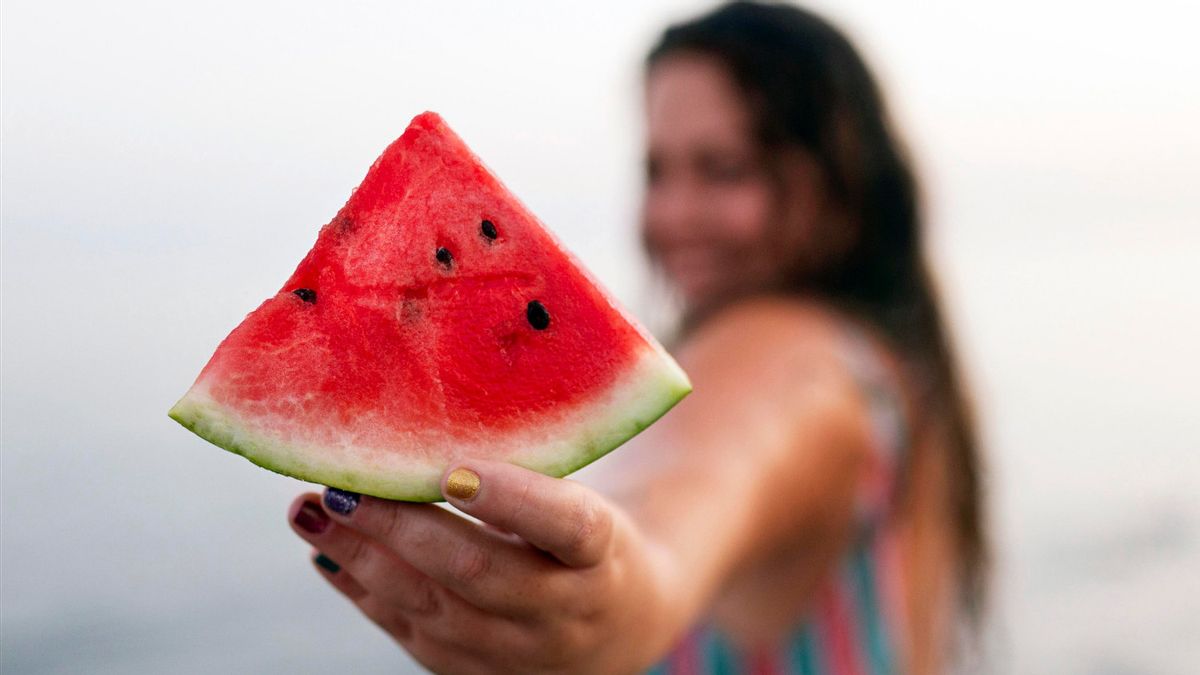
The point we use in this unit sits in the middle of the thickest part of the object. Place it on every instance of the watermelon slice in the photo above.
(435, 318)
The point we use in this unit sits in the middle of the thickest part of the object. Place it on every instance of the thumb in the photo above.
(561, 517)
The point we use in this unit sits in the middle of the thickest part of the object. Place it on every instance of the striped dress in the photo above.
(856, 625)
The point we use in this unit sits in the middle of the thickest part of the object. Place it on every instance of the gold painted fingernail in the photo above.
(462, 484)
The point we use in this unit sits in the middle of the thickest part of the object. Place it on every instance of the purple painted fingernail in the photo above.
(341, 501)
(311, 518)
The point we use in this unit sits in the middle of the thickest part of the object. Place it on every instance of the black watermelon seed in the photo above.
(443, 256)
(489, 229)
(537, 315)
(306, 294)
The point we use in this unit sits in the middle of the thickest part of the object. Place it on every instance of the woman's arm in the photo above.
(560, 578)
(766, 454)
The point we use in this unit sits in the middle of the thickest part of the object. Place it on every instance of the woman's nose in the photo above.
(674, 208)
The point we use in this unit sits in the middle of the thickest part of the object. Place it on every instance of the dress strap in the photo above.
(888, 416)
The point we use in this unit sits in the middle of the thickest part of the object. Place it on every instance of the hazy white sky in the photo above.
(1030, 105)
(165, 165)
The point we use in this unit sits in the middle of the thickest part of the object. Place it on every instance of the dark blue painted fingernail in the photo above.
(326, 564)
(341, 501)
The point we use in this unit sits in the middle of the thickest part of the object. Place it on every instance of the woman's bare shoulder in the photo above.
(764, 326)
(772, 354)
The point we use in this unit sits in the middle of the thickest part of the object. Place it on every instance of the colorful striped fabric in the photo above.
(856, 624)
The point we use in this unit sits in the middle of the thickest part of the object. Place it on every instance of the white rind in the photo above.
(572, 440)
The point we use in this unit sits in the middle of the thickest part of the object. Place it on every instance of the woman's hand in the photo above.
(555, 579)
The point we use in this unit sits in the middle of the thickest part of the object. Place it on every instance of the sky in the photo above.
(164, 166)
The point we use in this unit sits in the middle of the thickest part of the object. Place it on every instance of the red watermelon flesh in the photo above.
(435, 318)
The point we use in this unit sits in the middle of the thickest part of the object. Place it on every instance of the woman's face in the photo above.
(709, 201)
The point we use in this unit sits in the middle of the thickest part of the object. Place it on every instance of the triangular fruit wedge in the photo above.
(435, 318)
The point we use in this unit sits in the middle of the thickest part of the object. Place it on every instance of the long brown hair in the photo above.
(813, 92)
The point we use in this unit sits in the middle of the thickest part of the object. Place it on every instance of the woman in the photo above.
(814, 505)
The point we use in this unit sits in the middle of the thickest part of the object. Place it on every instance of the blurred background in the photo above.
(165, 166)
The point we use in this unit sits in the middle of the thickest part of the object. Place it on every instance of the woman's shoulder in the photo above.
(771, 325)
(776, 353)
(798, 339)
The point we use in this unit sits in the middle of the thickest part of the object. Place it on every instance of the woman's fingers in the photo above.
(454, 628)
(386, 617)
(402, 601)
(339, 578)
(561, 517)
(484, 567)
(526, 584)
(373, 568)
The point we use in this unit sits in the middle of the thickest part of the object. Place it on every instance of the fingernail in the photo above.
(311, 518)
(341, 501)
(326, 563)
(462, 484)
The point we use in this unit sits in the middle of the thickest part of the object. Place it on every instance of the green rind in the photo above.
(651, 396)
(217, 426)
(618, 435)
